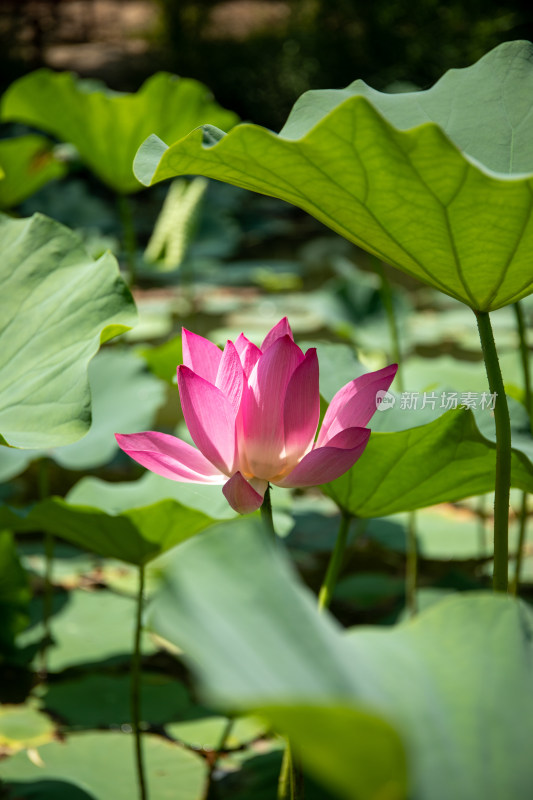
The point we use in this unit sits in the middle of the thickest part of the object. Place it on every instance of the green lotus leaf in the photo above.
(23, 726)
(107, 127)
(443, 461)
(133, 521)
(57, 306)
(100, 766)
(440, 681)
(431, 182)
(28, 163)
(109, 617)
(300, 691)
(115, 376)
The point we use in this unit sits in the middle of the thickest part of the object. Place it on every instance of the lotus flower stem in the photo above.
(266, 515)
(328, 586)
(290, 783)
(503, 453)
(135, 697)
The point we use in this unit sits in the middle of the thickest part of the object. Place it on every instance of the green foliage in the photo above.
(114, 378)
(22, 726)
(14, 592)
(107, 127)
(445, 460)
(125, 528)
(410, 197)
(422, 677)
(176, 224)
(57, 306)
(87, 628)
(315, 45)
(28, 164)
(102, 765)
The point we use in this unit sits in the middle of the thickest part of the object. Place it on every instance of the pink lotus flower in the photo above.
(253, 414)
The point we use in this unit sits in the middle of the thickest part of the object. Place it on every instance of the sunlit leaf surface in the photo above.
(57, 306)
(430, 182)
(28, 163)
(107, 127)
(423, 676)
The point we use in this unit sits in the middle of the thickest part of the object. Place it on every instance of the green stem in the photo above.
(266, 515)
(221, 744)
(524, 356)
(135, 697)
(290, 778)
(503, 453)
(128, 235)
(521, 543)
(388, 303)
(328, 586)
(43, 484)
(411, 570)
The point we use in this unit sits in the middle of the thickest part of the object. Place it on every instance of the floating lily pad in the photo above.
(431, 182)
(87, 628)
(208, 733)
(23, 726)
(57, 306)
(162, 699)
(102, 765)
(107, 127)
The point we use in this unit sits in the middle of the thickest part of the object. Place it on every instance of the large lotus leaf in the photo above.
(306, 673)
(28, 163)
(102, 765)
(443, 461)
(134, 521)
(115, 376)
(57, 306)
(418, 198)
(443, 680)
(107, 127)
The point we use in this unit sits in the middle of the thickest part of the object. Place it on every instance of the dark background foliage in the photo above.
(257, 56)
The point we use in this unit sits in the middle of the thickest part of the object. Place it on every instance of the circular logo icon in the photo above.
(384, 400)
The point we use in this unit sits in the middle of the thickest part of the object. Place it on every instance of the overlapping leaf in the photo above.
(57, 306)
(419, 198)
(28, 163)
(443, 461)
(107, 127)
(115, 377)
(441, 680)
